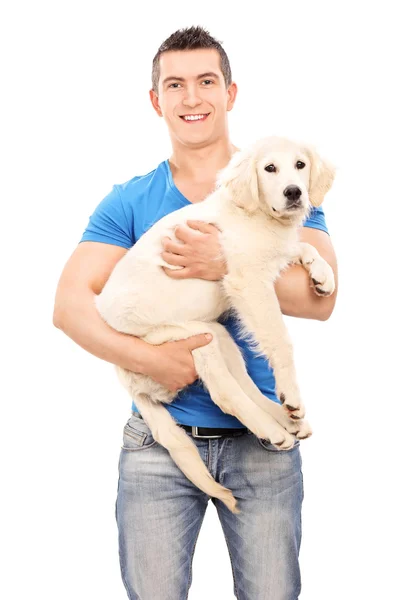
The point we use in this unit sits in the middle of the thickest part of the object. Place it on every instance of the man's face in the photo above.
(192, 85)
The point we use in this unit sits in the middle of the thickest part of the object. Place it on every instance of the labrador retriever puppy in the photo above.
(260, 200)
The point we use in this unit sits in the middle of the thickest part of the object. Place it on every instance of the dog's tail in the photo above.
(182, 449)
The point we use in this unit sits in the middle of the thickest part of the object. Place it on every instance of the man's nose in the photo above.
(191, 97)
(292, 193)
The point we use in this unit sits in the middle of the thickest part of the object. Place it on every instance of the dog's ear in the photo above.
(322, 174)
(241, 180)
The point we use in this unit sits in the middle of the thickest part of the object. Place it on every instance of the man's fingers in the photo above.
(171, 246)
(196, 341)
(174, 274)
(184, 233)
(174, 259)
(202, 226)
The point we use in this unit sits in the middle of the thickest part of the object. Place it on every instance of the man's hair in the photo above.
(190, 38)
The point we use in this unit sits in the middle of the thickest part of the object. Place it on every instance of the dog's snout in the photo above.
(292, 193)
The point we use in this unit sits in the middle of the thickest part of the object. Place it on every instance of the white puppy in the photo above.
(261, 199)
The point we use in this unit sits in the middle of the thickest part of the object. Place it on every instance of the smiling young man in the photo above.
(159, 512)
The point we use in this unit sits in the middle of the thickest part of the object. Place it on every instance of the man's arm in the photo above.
(200, 256)
(295, 294)
(75, 313)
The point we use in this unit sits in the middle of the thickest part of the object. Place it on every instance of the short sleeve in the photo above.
(316, 219)
(109, 223)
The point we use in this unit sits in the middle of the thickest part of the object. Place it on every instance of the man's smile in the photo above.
(194, 118)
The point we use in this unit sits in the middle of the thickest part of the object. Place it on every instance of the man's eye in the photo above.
(174, 84)
(300, 164)
(270, 168)
(208, 80)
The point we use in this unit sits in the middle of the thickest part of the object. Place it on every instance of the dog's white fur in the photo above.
(259, 237)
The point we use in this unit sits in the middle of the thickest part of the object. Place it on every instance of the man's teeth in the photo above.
(193, 117)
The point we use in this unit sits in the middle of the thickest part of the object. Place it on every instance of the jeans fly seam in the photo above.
(209, 456)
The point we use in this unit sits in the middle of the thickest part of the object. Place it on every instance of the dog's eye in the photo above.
(300, 164)
(270, 168)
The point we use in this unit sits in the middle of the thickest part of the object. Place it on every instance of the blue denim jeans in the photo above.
(159, 513)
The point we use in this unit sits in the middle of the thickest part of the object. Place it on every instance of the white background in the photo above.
(77, 119)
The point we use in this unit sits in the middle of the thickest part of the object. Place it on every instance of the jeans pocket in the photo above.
(137, 435)
(266, 444)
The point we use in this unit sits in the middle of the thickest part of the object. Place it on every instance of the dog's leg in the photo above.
(258, 308)
(223, 387)
(182, 449)
(237, 367)
(230, 397)
(321, 273)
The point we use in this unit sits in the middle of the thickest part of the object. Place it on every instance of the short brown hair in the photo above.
(190, 38)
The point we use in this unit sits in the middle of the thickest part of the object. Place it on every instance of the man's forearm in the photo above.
(298, 299)
(80, 320)
(295, 294)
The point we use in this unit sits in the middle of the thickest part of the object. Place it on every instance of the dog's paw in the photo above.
(301, 429)
(322, 277)
(281, 439)
(293, 405)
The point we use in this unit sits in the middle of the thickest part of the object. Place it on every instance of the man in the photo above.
(159, 512)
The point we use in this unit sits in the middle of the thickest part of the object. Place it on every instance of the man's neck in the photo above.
(200, 164)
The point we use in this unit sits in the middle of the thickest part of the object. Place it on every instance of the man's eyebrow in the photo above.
(208, 74)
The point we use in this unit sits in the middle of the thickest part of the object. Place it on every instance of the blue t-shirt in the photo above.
(125, 214)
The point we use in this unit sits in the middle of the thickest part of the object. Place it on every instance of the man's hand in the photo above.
(200, 253)
(172, 364)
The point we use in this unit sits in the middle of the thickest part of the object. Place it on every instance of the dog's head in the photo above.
(279, 177)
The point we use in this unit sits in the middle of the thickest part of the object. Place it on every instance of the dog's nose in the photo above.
(292, 193)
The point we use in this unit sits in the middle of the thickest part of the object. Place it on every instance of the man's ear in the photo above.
(322, 175)
(155, 102)
(241, 180)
